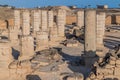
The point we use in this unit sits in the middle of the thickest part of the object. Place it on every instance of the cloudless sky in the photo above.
(79, 3)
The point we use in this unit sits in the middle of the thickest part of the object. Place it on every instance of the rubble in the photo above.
(71, 43)
(72, 76)
(47, 60)
(109, 67)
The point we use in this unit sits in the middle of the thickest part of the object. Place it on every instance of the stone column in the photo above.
(14, 31)
(17, 19)
(90, 37)
(52, 28)
(100, 32)
(41, 40)
(80, 18)
(53, 33)
(26, 22)
(27, 41)
(44, 24)
(90, 32)
(50, 19)
(36, 20)
(27, 47)
(13, 35)
(61, 21)
(40, 18)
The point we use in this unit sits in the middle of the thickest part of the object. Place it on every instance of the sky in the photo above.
(41, 3)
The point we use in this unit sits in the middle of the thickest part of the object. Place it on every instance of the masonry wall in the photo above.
(108, 20)
(71, 19)
(118, 19)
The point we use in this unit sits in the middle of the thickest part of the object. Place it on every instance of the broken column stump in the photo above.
(27, 47)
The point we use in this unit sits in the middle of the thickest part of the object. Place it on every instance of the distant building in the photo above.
(102, 6)
(6, 6)
(73, 7)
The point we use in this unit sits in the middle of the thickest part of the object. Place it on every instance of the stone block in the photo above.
(112, 62)
(117, 71)
(80, 18)
(36, 20)
(99, 77)
(118, 61)
(88, 79)
(113, 77)
(4, 74)
(17, 19)
(113, 58)
(26, 43)
(69, 45)
(109, 66)
(26, 23)
(50, 19)
(44, 22)
(104, 71)
(75, 45)
(117, 65)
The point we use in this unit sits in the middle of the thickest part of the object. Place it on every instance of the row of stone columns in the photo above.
(42, 27)
(94, 23)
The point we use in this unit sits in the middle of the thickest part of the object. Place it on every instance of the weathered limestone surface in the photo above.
(5, 54)
(36, 20)
(44, 24)
(40, 18)
(14, 31)
(100, 27)
(13, 34)
(17, 19)
(53, 33)
(80, 18)
(90, 38)
(5, 59)
(27, 47)
(100, 32)
(61, 20)
(90, 32)
(26, 22)
(50, 19)
(41, 40)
